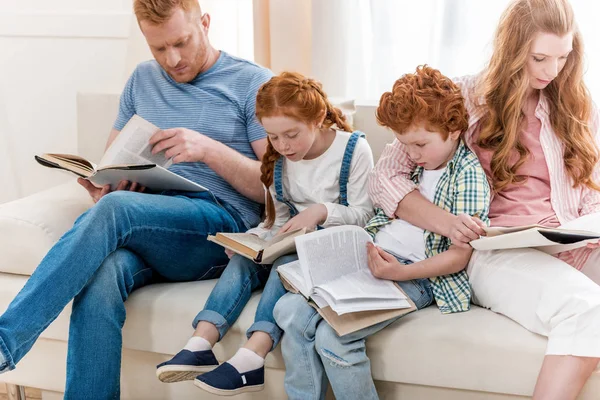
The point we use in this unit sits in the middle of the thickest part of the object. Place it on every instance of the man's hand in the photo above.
(309, 218)
(181, 144)
(464, 229)
(98, 192)
(383, 265)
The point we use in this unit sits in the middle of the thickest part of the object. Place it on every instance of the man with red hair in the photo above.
(203, 99)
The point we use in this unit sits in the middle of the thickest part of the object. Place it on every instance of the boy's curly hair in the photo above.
(425, 97)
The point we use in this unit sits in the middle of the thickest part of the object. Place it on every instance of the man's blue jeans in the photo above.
(314, 353)
(233, 290)
(127, 240)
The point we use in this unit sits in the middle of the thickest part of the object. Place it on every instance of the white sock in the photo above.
(196, 343)
(246, 360)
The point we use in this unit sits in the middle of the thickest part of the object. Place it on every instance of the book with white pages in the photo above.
(332, 273)
(569, 236)
(129, 158)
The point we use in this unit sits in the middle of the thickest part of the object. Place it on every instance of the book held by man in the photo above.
(259, 250)
(569, 236)
(129, 158)
(333, 274)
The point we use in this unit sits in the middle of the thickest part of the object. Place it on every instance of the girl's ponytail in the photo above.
(267, 169)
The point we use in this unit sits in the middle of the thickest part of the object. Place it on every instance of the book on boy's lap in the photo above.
(259, 250)
(569, 236)
(129, 158)
(333, 275)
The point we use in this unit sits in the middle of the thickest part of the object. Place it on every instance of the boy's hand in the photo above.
(464, 229)
(309, 218)
(383, 265)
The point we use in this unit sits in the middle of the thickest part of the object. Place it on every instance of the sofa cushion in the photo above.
(29, 227)
(425, 348)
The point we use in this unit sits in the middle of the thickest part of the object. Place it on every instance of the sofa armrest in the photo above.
(30, 226)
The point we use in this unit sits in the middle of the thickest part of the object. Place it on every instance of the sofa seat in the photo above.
(477, 354)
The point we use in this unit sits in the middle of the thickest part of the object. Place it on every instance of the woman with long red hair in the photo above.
(535, 129)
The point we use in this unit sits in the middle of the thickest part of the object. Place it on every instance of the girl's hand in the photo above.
(309, 218)
(383, 265)
(464, 229)
(229, 253)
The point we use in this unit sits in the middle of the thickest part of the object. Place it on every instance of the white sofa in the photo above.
(473, 355)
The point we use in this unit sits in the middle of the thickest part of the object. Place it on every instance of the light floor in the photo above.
(30, 393)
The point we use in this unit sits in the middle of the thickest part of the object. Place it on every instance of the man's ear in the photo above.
(205, 22)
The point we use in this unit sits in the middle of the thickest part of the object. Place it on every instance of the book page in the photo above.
(588, 223)
(361, 285)
(283, 236)
(330, 253)
(280, 245)
(534, 237)
(293, 273)
(360, 293)
(246, 239)
(492, 231)
(131, 146)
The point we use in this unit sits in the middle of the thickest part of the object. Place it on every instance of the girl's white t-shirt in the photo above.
(403, 239)
(316, 181)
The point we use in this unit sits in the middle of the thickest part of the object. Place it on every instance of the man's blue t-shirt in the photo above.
(219, 103)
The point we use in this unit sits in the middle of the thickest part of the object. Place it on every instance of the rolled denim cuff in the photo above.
(214, 318)
(269, 328)
(6, 361)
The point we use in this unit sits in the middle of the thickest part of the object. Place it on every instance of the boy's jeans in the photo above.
(313, 352)
(127, 240)
(233, 290)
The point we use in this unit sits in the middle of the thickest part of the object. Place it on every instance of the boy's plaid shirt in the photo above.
(462, 189)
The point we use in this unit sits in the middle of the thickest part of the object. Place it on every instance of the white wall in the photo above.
(50, 51)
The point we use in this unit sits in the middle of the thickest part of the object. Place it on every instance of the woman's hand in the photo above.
(464, 229)
(383, 265)
(593, 246)
(309, 218)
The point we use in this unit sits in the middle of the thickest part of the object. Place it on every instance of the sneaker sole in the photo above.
(224, 392)
(180, 373)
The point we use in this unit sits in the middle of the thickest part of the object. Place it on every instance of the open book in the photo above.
(258, 250)
(332, 271)
(130, 158)
(548, 240)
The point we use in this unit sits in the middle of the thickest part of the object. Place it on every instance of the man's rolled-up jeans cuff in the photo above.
(269, 328)
(214, 318)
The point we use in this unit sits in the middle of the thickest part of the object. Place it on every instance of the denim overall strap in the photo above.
(346, 163)
(278, 182)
